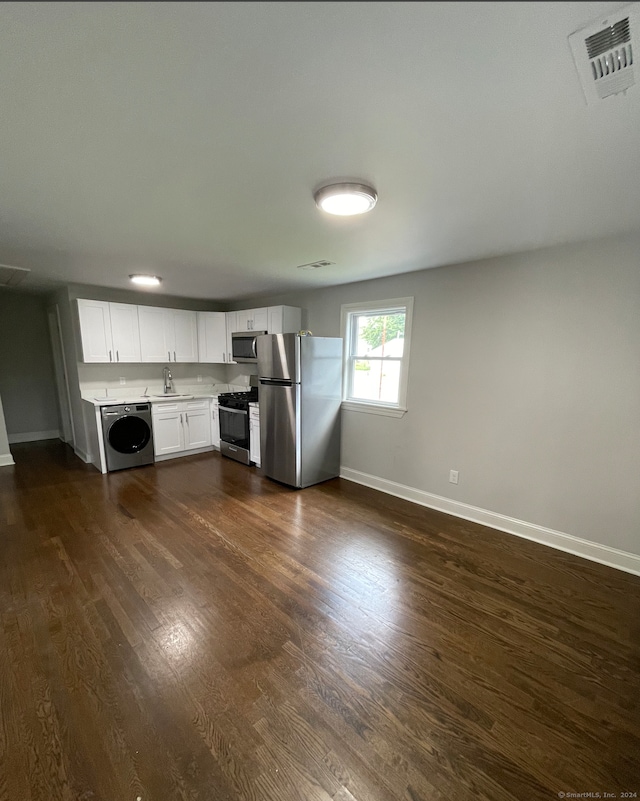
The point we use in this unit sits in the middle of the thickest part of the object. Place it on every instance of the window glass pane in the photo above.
(379, 334)
(376, 380)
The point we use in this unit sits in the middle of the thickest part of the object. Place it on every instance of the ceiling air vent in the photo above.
(604, 53)
(12, 276)
(313, 265)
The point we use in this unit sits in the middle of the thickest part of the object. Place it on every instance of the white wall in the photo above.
(5, 454)
(524, 377)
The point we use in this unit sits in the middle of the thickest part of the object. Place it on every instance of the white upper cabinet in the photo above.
(212, 337)
(252, 319)
(95, 331)
(232, 325)
(260, 319)
(125, 332)
(108, 331)
(154, 346)
(185, 334)
(284, 319)
(122, 332)
(168, 335)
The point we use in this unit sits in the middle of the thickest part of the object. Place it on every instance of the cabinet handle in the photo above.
(110, 359)
(224, 357)
(230, 358)
(118, 355)
(169, 354)
(181, 420)
(174, 356)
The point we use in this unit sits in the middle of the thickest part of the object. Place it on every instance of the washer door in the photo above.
(129, 434)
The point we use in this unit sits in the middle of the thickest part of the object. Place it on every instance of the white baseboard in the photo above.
(33, 436)
(622, 560)
(82, 455)
(6, 459)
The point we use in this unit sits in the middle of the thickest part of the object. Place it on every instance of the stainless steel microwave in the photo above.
(243, 345)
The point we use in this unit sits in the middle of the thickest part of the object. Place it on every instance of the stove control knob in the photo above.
(127, 408)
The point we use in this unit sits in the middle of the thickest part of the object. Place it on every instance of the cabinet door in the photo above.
(244, 318)
(197, 429)
(185, 331)
(212, 337)
(168, 436)
(260, 319)
(95, 331)
(215, 424)
(232, 325)
(254, 439)
(284, 319)
(154, 346)
(125, 332)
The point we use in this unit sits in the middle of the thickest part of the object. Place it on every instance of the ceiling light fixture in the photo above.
(146, 280)
(346, 199)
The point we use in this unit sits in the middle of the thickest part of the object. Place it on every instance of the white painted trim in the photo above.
(346, 310)
(6, 459)
(33, 436)
(605, 555)
(372, 408)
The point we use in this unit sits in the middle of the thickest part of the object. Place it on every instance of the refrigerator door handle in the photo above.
(276, 382)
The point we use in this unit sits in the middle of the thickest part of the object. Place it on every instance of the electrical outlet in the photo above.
(199, 379)
(453, 476)
(123, 381)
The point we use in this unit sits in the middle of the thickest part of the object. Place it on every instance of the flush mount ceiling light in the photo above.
(346, 199)
(146, 280)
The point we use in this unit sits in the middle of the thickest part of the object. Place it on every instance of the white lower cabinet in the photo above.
(215, 424)
(168, 435)
(182, 427)
(197, 429)
(254, 433)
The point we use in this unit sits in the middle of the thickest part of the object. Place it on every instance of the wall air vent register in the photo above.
(604, 53)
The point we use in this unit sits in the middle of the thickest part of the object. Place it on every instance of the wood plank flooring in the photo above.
(195, 631)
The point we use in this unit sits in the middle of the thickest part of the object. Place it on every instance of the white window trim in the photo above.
(370, 407)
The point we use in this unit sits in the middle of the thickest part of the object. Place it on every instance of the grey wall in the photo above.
(27, 381)
(524, 377)
(5, 453)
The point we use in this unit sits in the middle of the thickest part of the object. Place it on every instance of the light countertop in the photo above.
(106, 401)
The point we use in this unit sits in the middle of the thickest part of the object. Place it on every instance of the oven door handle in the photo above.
(232, 411)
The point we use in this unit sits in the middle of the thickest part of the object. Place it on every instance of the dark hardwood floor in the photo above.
(195, 631)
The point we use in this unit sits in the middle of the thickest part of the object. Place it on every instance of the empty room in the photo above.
(319, 401)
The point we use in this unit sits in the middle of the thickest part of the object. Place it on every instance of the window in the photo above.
(376, 341)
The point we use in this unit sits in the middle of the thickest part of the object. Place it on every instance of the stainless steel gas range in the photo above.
(234, 423)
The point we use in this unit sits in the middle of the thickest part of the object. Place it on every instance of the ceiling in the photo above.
(186, 139)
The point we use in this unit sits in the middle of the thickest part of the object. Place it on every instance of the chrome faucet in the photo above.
(168, 378)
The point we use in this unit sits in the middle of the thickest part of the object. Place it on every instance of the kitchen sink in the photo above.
(171, 395)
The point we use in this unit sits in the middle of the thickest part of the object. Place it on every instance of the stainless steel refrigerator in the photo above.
(300, 392)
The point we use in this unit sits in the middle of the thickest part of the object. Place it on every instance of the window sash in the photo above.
(353, 324)
(351, 315)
